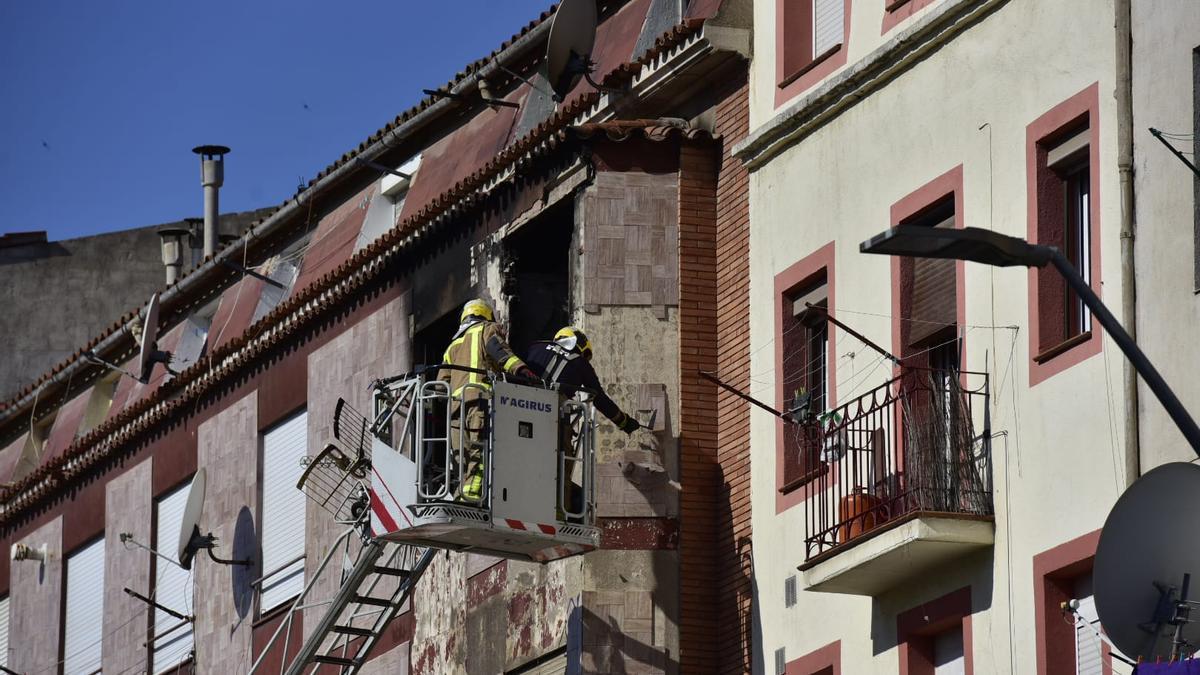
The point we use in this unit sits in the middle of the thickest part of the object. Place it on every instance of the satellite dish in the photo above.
(191, 540)
(569, 47)
(148, 353)
(1146, 556)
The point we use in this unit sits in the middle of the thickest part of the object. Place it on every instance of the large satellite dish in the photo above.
(569, 47)
(191, 541)
(1147, 553)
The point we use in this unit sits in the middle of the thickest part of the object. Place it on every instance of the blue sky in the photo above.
(103, 101)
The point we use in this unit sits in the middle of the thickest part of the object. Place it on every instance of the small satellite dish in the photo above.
(569, 47)
(191, 540)
(1144, 562)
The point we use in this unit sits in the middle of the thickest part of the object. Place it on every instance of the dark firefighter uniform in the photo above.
(478, 345)
(566, 361)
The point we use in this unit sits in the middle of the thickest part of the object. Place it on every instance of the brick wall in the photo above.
(699, 474)
(127, 508)
(733, 363)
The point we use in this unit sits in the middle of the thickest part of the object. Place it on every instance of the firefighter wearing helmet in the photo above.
(567, 361)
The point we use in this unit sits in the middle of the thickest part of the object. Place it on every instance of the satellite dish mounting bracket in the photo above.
(582, 64)
(207, 542)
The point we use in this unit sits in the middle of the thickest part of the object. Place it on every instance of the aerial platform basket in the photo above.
(519, 486)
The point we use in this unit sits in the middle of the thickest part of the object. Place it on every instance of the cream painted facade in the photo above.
(958, 83)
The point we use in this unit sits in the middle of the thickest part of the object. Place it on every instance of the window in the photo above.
(83, 627)
(930, 290)
(173, 586)
(935, 636)
(1061, 574)
(1064, 213)
(4, 631)
(282, 523)
(386, 206)
(1088, 650)
(806, 379)
(805, 376)
(810, 37)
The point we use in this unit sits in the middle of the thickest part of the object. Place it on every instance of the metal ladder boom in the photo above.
(353, 594)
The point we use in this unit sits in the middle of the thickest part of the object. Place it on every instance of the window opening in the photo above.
(172, 639)
(1089, 658)
(948, 655)
(284, 448)
(806, 376)
(83, 625)
(537, 276)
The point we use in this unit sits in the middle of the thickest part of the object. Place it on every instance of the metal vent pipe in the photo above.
(212, 176)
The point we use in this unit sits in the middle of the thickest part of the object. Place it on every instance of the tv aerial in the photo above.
(569, 47)
(190, 539)
(1144, 563)
(148, 352)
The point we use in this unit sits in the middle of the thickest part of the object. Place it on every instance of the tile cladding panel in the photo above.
(127, 508)
(228, 450)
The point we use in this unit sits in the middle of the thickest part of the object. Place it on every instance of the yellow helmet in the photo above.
(574, 340)
(477, 307)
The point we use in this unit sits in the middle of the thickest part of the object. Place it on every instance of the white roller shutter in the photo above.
(85, 609)
(172, 586)
(4, 631)
(1088, 651)
(829, 24)
(282, 527)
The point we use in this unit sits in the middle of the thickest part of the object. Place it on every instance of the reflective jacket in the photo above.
(477, 344)
(571, 371)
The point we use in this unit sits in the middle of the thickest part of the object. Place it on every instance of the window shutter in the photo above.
(85, 610)
(1088, 658)
(829, 25)
(4, 631)
(283, 511)
(172, 586)
(934, 296)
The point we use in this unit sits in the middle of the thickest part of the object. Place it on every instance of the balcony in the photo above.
(898, 481)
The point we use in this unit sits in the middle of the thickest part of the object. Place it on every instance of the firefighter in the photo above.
(480, 346)
(567, 361)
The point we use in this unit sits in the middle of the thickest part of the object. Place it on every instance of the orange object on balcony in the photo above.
(859, 512)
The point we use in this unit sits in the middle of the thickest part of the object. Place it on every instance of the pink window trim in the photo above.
(789, 85)
(896, 12)
(1073, 557)
(785, 282)
(1086, 102)
(926, 620)
(829, 656)
(950, 182)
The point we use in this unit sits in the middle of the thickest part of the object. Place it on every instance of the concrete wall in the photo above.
(1058, 467)
(58, 295)
(1164, 37)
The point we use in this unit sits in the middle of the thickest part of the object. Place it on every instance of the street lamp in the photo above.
(992, 248)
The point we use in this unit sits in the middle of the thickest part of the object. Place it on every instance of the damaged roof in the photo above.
(336, 277)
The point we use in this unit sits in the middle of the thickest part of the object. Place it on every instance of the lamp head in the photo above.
(969, 243)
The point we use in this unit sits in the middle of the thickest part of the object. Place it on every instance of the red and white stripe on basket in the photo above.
(561, 551)
(524, 526)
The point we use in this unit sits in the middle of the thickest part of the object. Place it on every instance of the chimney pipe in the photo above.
(173, 238)
(212, 176)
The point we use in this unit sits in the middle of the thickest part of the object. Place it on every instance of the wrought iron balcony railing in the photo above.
(917, 445)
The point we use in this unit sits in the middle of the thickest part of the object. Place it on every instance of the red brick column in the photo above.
(733, 363)
(698, 507)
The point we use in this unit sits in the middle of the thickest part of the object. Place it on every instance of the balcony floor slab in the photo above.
(885, 559)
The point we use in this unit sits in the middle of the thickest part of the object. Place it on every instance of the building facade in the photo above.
(964, 429)
(620, 211)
